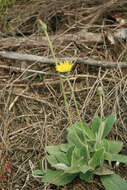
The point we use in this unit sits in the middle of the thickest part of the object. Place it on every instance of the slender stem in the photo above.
(51, 47)
(101, 103)
(65, 100)
(101, 124)
(61, 80)
(101, 127)
(79, 117)
(74, 99)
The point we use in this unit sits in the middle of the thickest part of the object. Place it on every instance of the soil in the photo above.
(32, 111)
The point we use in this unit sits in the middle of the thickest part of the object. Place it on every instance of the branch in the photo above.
(83, 36)
(45, 60)
(37, 41)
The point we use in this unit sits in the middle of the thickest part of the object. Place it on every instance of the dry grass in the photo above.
(32, 112)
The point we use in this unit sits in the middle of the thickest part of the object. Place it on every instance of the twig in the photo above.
(35, 99)
(16, 99)
(24, 70)
(45, 60)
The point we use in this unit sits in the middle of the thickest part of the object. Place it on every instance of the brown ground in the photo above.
(32, 112)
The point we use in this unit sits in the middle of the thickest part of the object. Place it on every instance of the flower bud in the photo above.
(100, 91)
(43, 25)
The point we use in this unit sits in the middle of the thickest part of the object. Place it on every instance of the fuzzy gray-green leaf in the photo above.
(88, 176)
(57, 177)
(52, 160)
(111, 182)
(64, 147)
(117, 157)
(52, 149)
(108, 125)
(86, 130)
(97, 158)
(115, 146)
(95, 125)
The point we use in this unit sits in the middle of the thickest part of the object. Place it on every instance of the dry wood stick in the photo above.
(39, 41)
(45, 60)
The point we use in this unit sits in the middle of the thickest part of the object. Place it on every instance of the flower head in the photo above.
(64, 67)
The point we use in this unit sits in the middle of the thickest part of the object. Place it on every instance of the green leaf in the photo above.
(75, 155)
(75, 139)
(77, 133)
(35, 173)
(84, 169)
(103, 171)
(76, 168)
(57, 148)
(52, 160)
(108, 156)
(97, 158)
(112, 146)
(61, 166)
(95, 125)
(57, 177)
(38, 173)
(115, 146)
(52, 149)
(117, 157)
(83, 153)
(72, 170)
(108, 125)
(69, 154)
(86, 129)
(88, 176)
(111, 182)
(64, 147)
(105, 144)
(76, 159)
(62, 158)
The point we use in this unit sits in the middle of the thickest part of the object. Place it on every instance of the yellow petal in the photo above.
(64, 67)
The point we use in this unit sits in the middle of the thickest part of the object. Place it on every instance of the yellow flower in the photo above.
(64, 67)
